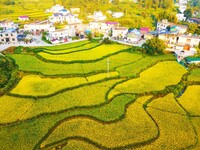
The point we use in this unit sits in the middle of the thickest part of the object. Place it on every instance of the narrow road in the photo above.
(37, 42)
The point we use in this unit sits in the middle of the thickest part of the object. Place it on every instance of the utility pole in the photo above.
(108, 67)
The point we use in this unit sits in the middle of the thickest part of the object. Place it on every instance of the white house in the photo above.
(180, 17)
(162, 25)
(23, 18)
(8, 24)
(119, 32)
(32, 27)
(61, 18)
(134, 36)
(117, 14)
(180, 40)
(102, 26)
(98, 16)
(8, 36)
(181, 7)
(55, 9)
(183, 2)
(193, 41)
(61, 35)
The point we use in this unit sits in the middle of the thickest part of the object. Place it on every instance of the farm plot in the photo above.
(176, 131)
(79, 145)
(133, 69)
(34, 85)
(100, 98)
(196, 123)
(153, 79)
(194, 76)
(32, 64)
(88, 95)
(26, 134)
(136, 127)
(190, 100)
(94, 54)
(65, 46)
(167, 103)
(12, 108)
(84, 47)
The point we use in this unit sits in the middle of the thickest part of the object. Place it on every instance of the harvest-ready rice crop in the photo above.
(136, 127)
(176, 131)
(92, 54)
(190, 99)
(153, 79)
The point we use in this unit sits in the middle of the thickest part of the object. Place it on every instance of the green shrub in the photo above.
(45, 39)
(106, 41)
(18, 50)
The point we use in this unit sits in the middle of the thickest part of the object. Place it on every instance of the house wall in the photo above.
(180, 17)
(68, 19)
(61, 34)
(7, 25)
(8, 37)
(168, 38)
(23, 19)
(117, 33)
(117, 14)
(193, 41)
(34, 27)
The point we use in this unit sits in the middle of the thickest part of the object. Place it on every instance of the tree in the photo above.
(106, 41)
(154, 46)
(193, 28)
(89, 36)
(188, 13)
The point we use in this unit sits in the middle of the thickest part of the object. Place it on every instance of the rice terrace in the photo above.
(91, 96)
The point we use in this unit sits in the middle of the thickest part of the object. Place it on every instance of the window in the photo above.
(6, 34)
(11, 34)
(2, 40)
(13, 39)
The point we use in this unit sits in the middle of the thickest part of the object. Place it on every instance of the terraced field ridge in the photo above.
(89, 96)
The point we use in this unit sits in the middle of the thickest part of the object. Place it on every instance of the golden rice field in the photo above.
(87, 96)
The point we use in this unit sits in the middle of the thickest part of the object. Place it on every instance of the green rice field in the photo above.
(88, 96)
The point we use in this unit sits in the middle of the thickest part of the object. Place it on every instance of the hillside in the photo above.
(137, 15)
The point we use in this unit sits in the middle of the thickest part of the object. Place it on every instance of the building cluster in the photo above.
(173, 34)
(182, 6)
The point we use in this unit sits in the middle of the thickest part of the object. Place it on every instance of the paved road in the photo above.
(37, 42)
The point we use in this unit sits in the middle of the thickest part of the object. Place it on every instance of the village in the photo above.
(46, 33)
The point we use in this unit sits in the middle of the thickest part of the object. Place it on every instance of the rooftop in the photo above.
(109, 22)
(120, 28)
(23, 16)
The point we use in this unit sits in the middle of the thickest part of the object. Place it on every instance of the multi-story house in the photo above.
(8, 36)
(61, 18)
(117, 14)
(98, 16)
(23, 18)
(33, 27)
(102, 26)
(180, 17)
(60, 34)
(8, 25)
(119, 32)
(163, 24)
